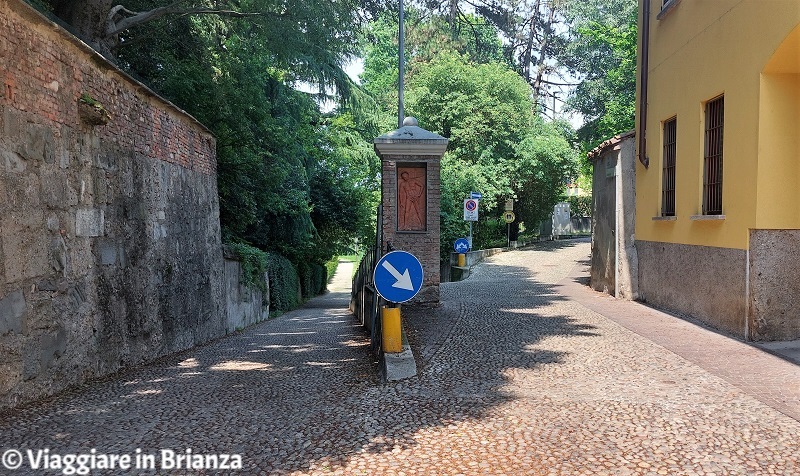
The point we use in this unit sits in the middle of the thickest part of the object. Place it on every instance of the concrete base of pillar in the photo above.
(399, 366)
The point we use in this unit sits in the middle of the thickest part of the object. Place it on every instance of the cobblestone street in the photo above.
(522, 371)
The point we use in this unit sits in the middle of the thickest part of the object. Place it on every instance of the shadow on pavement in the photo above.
(300, 393)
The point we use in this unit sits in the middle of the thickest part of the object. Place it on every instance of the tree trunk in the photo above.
(541, 66)
(89, 18)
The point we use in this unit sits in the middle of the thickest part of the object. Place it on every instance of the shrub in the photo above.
(284, 277)
(253, 262)
(580, 205)
(331, 266)
(313, 279)
(283, 283)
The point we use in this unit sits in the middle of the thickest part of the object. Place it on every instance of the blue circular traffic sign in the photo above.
(471, 205)
(398, 276)
(461, 245)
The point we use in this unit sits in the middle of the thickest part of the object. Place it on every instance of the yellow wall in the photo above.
(777, 205)
(700, 50)
(779, 138)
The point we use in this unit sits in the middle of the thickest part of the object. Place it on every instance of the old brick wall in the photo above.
(423, 245)
(110, 250)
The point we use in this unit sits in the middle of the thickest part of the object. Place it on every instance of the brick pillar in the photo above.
(410, 165)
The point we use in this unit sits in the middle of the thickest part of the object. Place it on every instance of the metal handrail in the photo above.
(365, 301)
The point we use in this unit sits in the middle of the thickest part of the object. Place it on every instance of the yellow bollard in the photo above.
(462, 260)
(392, 331)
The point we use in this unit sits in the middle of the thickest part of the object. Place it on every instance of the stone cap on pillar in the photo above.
(411, 140)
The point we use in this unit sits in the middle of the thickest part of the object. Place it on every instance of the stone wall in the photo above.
(705, 282)
(774, 299)
(245, 305)
(110, 252)
(615, 260)
(604, 205)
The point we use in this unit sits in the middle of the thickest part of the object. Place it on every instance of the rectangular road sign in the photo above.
(470, 210)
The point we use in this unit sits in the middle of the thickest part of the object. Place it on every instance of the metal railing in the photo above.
(365, 301)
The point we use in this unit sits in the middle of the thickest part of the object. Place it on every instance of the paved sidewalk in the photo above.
(772, 379)
(521, 372)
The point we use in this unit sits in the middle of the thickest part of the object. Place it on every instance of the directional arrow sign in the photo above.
(403, 280)
(398, 276)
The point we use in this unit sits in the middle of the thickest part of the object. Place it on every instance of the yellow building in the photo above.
(718, 142)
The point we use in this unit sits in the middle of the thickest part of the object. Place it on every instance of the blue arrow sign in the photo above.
(398, 276)
(461, 245)
(475, 195)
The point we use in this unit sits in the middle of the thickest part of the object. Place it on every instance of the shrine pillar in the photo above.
(410, 171)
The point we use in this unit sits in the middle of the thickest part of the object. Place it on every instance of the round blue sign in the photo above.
(398, 276)
(461, 245)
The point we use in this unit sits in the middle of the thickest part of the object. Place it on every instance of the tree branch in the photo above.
(559, 84)
(139, 18)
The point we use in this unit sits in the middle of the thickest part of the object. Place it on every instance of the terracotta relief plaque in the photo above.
(412, 210)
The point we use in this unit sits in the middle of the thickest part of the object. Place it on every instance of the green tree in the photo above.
(603, 53)
(544, 161)
(498, 146)
(292, 181)
(484, 109)
(426, 39)
(312, 35)
(345, 187)
(534, 37)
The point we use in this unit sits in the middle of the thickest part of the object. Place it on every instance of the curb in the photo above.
(399, 365)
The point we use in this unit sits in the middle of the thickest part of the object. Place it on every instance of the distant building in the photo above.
(718, 204)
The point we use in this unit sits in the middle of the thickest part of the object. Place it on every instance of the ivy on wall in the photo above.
(285, 290)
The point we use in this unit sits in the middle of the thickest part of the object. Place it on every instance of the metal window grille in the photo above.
(668, 179)
(712, 167)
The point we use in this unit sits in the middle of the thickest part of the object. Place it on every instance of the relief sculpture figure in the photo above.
(411, 199)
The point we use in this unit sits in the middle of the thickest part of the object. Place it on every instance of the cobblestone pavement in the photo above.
(518, 375)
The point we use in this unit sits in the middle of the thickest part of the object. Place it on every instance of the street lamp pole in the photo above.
(401, 69)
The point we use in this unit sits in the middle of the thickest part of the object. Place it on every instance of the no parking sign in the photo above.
(470, 209)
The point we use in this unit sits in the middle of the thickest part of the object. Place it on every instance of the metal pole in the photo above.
(641, 132)
(401, 69)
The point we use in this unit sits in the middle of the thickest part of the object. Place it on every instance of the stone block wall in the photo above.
(110, 250)
(704, 282)
(423, 245)
(774, 291)
(245, 305)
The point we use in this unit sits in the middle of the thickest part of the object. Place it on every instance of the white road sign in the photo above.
(470, 210)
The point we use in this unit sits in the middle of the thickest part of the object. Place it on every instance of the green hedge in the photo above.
(330, 268)
(313, 279)
(284, 277)
(283, 284)
(253, 262)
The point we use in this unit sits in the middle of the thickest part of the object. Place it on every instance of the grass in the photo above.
(333, 264)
